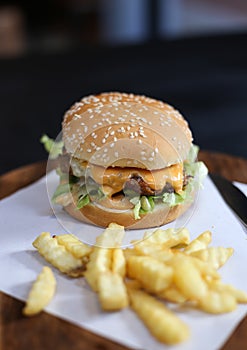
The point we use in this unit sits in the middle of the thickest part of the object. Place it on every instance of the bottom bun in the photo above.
(159, 216)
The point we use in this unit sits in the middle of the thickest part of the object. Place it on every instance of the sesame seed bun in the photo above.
(118, 129)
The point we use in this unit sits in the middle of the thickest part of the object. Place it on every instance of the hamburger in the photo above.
(127, 159)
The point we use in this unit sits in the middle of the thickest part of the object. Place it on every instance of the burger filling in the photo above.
(126, 188)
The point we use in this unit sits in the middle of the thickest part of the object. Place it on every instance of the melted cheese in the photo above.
(113, 178)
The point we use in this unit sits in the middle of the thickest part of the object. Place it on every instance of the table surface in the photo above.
(45, 331)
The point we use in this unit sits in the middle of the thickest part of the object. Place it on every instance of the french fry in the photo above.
(76, 247)
(154, 250)
(207, 271)
(239, 295)
(58, 256)
(163, 324)
(118, 262)
(101, 256)
(188, 279)
(41, 293)
(216, 302)
(112, 291)
(201, 242)
(100, 261)
(111, 237)
(168, 238)
(173, 294)
(215, 256)
(151, 273)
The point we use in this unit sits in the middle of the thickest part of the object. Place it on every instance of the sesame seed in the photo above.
(150, 159)
(156, 150)
(89, 150)
(112, 144)
(103, 140)
(116, 154)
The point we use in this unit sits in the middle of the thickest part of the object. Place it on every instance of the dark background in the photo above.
(61, 53)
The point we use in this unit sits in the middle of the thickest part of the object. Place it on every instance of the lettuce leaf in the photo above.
(54, 148)
(82, 201)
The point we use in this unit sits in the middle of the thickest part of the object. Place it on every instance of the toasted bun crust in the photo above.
(119, 129)
(94, 215)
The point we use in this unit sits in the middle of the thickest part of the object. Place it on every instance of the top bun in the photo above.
(126, 130)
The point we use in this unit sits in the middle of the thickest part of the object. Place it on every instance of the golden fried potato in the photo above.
(118, 262)
(76, 247)
(207, 271)
(201, 242)
(216, 302)
(173, 294)
(58, 255)
(215, 256)
(188, 279)
(239, 295)
(168, 238)
(153, 250)
(151, 273)
(41, 293)
(112, 291)
(111, 237)
(100, 261)
(163, 324)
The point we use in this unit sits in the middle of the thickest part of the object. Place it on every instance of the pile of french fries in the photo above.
(164, 267)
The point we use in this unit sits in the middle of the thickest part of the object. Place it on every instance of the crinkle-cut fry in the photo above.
(240, 295)
(128, 252)
(188, 279)
(215, 256)
(163, 324)
(168, 238)
(111, 237)
(207, 271)
(112, 291)
(118, 262)
(217, 302)
(151, 273)
(58, 256)
(100, 260)
(79, 249)
(173, 294)
(154, 250)
(41, 293)
(201, 242)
